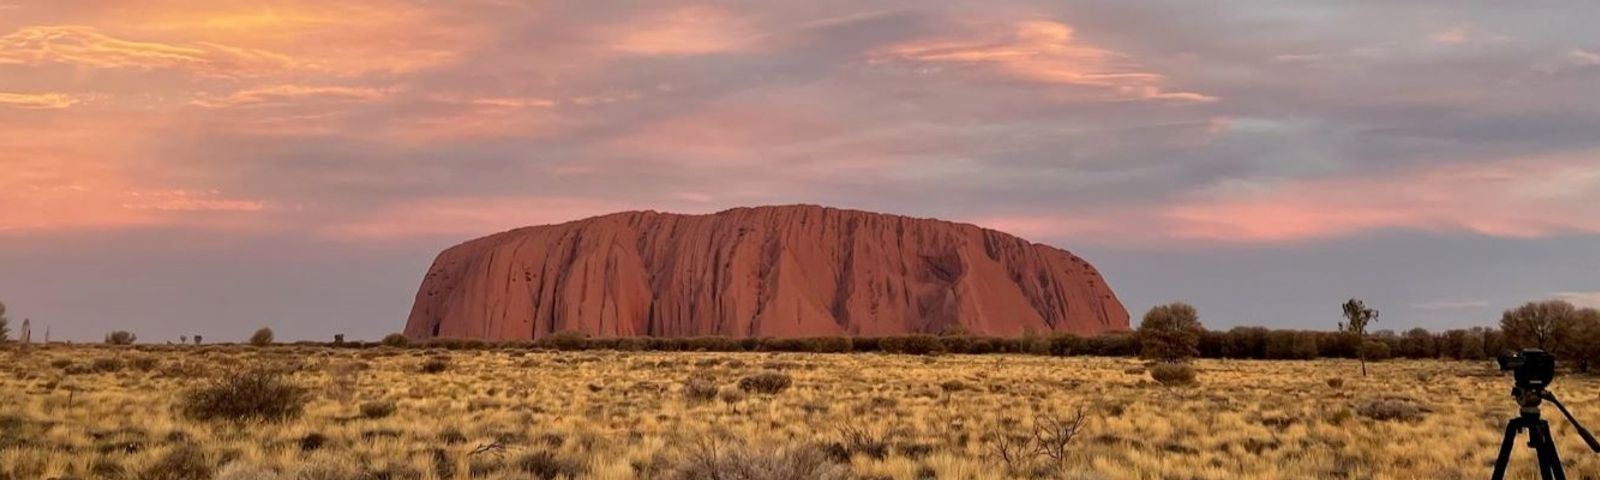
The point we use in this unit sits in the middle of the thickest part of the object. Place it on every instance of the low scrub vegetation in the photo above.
(255, 393)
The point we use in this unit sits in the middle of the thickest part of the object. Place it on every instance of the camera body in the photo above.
(1533, 368)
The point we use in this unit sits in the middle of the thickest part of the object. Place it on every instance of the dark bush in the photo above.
(1113, 344)
(1172, 373)
(1063, 344)
(769, 383)
(435, 365)
(312, 441)
(1170, 333)
(378, 409)
(249, 394)
(546, 465)
(105, 365)
(566, 341)
(1376, 350)
(121, 337)
(397, 340)
(261, 338)
(699, 389)
(183, 462)
(912, 345)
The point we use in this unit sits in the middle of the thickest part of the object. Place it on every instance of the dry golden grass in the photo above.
(71, 412)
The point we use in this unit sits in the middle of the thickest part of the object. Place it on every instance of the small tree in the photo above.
(262, 337)
(1357, 316)
(338, 339)
(183, 339)
(121, 337)
(1170, 333)
(5, 325)
(1538, 325)
(198, 339)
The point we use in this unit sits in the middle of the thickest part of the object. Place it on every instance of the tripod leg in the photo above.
(1505, 448)
(1549, 458)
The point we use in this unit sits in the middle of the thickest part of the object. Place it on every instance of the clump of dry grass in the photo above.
(255, 393)
(766, 383)
(1393, 408)
(1172, 374)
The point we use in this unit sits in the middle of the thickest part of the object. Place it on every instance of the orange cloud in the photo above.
(88, 47)
(1045, 52)
(284, 94)
(38, 100)
(694, 30)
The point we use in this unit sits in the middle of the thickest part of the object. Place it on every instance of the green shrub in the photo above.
(378, 409)
(1172, 373)
(769, 383)
(248, 394)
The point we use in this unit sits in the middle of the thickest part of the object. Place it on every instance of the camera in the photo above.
(1533, 368)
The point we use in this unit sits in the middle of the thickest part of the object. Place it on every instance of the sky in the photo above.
(182, 167)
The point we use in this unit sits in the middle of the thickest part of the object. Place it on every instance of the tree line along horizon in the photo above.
(1170, 332)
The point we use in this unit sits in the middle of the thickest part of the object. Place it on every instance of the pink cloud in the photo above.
(1521, 198)
(692, 30)
(1515, 198)
(466, 217)
(1045, 52)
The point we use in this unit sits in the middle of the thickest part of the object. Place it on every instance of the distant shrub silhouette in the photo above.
(397, 340)
(912, 345)
(121, 337)
(566, 341)
(262, 337)
(1376, 350)
(252, 393)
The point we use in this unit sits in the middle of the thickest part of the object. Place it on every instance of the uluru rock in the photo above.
(783, 271)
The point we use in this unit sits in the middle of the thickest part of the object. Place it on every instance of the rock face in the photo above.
(784, 271)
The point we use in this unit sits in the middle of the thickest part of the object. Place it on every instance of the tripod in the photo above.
(1539, 438)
